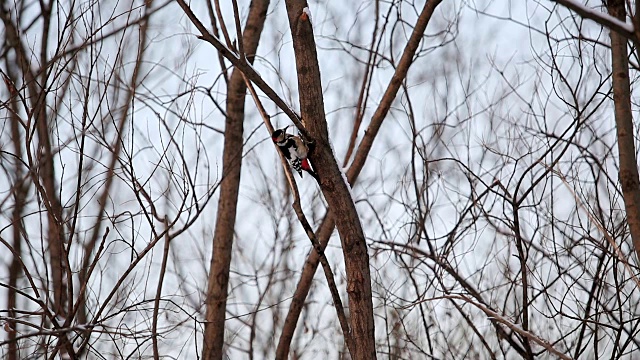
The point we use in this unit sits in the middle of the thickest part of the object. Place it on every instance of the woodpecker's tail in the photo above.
(315, 176)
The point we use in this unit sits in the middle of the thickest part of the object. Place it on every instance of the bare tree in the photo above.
(73, 163)
(484, 200)
(232, 159)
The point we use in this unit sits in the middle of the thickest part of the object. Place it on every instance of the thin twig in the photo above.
(236, 16)
(223, 26)
(156, 304)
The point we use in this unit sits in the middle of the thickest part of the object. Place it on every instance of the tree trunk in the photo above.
(629, 179)
(218, 280)
(332, 183)
(327, 225)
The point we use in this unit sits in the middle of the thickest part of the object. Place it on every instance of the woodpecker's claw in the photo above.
(311, 145)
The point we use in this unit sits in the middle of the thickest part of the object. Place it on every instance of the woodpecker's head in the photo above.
(279, 135)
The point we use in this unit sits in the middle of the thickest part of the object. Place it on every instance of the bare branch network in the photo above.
(477, 161)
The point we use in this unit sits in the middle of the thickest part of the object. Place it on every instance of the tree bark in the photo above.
(332, 183)
(218, 280)
(629, 179)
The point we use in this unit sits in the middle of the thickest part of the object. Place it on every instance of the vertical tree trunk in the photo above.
(327, 225)
(332, 183)
(629, 179)
(218, 280)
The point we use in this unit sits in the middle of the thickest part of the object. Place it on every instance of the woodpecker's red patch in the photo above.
(305, 165)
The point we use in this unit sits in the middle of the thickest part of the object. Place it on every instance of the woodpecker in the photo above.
(294, 150)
